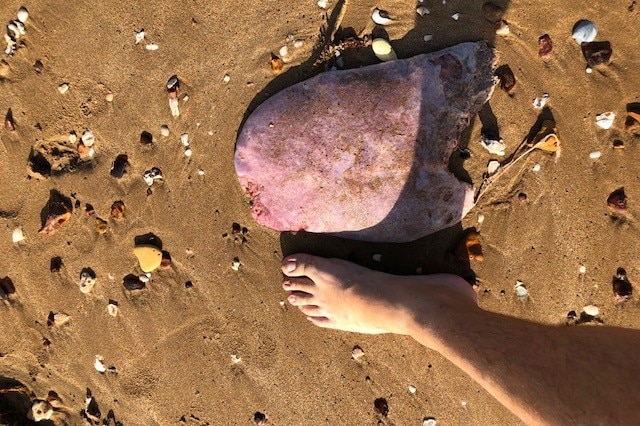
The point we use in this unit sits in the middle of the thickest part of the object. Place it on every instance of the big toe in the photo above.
(304, 265)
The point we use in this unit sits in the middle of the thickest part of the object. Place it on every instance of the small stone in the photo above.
(6, 288)
(545, 46)
(469, 248)
(595, 155)
(164, 130)
(381, 406)
(357, 353)
(259, 418)
(23, 14)
(422, 10)
(146, 138)
(9, 123)
(284, 51)
(188, 152)
(412, 389)
(582, 269)
(184, 138)
(588, 70)
(377, 257)
(536, 167)
(591, 310)
(226, 78)
(63, 88)
(112, 308)
(117, 209)
(455, 16)
(621, 285)
(502, 29)
(521, 290)
(149, 257)
(102, 226)
(492, 12)
(298, 44)
(99, 365)
(132, 282)
(174, 106)
(571, 316)
(166, 262)
(492, 167)
(87, 280)
(109, 97)
(188, 284)
(617, 201)
(506, 77)
(383, 50)
(17, 235)
(40, 410)
(539, 103)
(597, 53)
(428, 37)
(605, 120)
(55, 264)
(480, 218)
(38, 66)
(235, 265)
(119, 167)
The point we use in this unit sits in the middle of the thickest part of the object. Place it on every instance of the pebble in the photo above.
(412, 389)
(226, 78)
(480, 218)
(40, 410)
(521, 290)
(536, 167)
(109, 97)
(582, 269)
(430, 421)
(55, 264)
(63, 88)
(298, 44)
(522, 197)
(23, 15)
(87, 280)
(118, 169)
(617, 201)
(99, 365)
(184, 138)
(6, 288)
(132, 282)
(502, 28)
(139, 36)
(428, 37)
(605, 120)
(112, 309)
(591, 310)
(377, 258)
(357, 353)
(422, 10)
(595, 155)
(507, 78)
(58, 319)
(455, 16)
(383, 50)
(588, 70)
(117, 209)
(322, 4)
(164, 130)
(284, 51)
(149, 257)
(151, 46)
(381, 17)
(597, 53)
(584, 31)
(235, 359)
(17, 235)
(381, 406)
(188, 152)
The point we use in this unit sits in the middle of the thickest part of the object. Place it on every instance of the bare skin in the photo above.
(543, 374)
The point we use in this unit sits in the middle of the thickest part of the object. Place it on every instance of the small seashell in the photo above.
(605, 120)
(455, 16)
(188, 152)
(63, 88)
(235, 265)
(621, 286)
(584, 31)
(521, 290)
(383, 50)
(595, 155)
(226, 78)
(617, 201)
(151, 46)
(429, 421)
(149, 257)
(588, 70)
(545, 46)
(480, 218)
(412, 389)
(112, 309)
(184, 138)
(174, 107)
(536, 167)
(632, 122)
(173, 83)
(87, 138)
(99, 365)
(357, 353)
(235, 359)
(298, 44)
(591, 310)
(164, 130)
(618, 144)
(539, 103)
(377, 257)
(23, 15)
(597, 53)
(381, 17)
(109, 97)
(102, 226)
(139, 36)
(284, 51)
(502, 28)
(492, 167)
(582, 269)
(40, 410)
(422, 10)
(17, 235)
(322, 4)
(428, 37)
(494, 146)
(144, 278)
(87, 280)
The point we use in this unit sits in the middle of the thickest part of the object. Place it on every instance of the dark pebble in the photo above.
(259, 418)
(56, 264)
(146, 138)
(132, 282)
(507, 79)
(617, 201)
(119, 166)
(188, 284)
(597, 52)
(621, 284)
(6, 287)
(381, 406)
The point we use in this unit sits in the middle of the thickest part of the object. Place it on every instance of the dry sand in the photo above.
(172, 345)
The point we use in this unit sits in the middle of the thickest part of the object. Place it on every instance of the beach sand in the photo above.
(175, 348)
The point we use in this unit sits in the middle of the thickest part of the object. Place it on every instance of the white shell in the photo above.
(14, 29)
(112, 309)
(63, 88)
(173, 105)
(139, 36)
(235, 265)
(383, 50)
(582, 269)
(40, 410)
(605, 120)
(184, 138)
(87, 138)
(109, 97)
(226, 78)
(584, 32)
(188, 152)
(151, 46)
(536, 167)
(412, 389)
(455, 16)
(164, 130)
(23, 15)
(298, 44)
(422, 10)
(201, 172)
(493, 167)
(284, 51)
(73, 138)
(592, 310)
(588, 70)
(480, 218)
(86, 282)
(144, 278)
(378, 18)
(99, 365)
(17, 234)
(595, 155)
(429, 422)
(502, 29)
(322, 4)
(496, 147)
(428, 37)
(539, 103)
(521, 290)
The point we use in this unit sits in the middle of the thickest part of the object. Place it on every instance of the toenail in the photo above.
(287, 284)
(291, 266)
(291, 299)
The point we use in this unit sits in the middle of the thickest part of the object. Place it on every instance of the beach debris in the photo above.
(132, 282)
(188, 284)
(166, 262)
(428, 37)
(38, 66)
(184, 138)
(502, 28)
(15, 30)
(381, 17)
(56, 213)
(594, 155)
(469, 248)
(17, 235)
(146, 138)
(164, 130)
(582, 270)
(9, 123)
(492, 167)
(632, 122)
(91, 411)
(139, 36)
(494, 146)
(40, 410)
(455, 16)
(621, 285)
(102, 226)
(539, 103)
(284, 52)
(108, 97)
(429, 421)
(117, 209)
(591, 310)
(99, 364)
(173, 89)
(226, 78)
(119, 167)
(266, 168)
(597, 53)
(492, 12)
(57, 319)
(87, 280)
(55, 264)
(23, 14)
(617, 201)
(145, 278)
(547, 138)
(235, 359)
(480, 218)
(151, 46)
(63, 88)
(6, 288)
(56, 155)
(506, 77)
(149, 257)
(584, 31)
(536, 168)
(357, 352)
(259, 418)
(521, 290)
(112, 308)
(545, 46)
(152, 175)
(383, 50)
(235, 264)
(412, 389)
(522, 197)
(87, 138)
(276, 63)
(381, 407)
(422, 10)
(571, 317)
(605, 120)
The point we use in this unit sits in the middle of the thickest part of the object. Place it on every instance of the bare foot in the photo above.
(337, 294)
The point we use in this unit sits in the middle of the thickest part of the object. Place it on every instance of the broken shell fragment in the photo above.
(40, 410)
(357, 353)
(545, 46)
(502, 28)
(632, 122)
(469, 248)
(429, 421)
(597, 53)
(149, 257)
(605, 120)
(23, 15)
(63, 88)
(164, 130)
(132, 282)
(9, 123)
(139, 36)
(112, 308)
(591, 310)
(521, 290)
(494, 146)
(595, 155)
(621, 286)
(152, 175)
(547, 138)
(455, 16)
(383, 50)
(422, 10)
(539, 103)
(584, 31)
(174, 106)
(117, 209)
(381, 17)
(151, 46)
(99, 365)
(493, 167)
(184, 138)
(173, 84)
(87, 280)
(17, 235)
(235, 265)
(276, 63)
(102, 226)
(87, 138)
(617, 201)
(506, 77)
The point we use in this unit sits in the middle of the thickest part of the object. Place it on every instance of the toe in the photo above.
(302, 264)
(323, 322)
(298, 284)
(312, 310)
(298, 298)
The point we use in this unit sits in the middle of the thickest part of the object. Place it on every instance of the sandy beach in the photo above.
(210, 340)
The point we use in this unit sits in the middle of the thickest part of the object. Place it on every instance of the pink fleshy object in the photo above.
(363, 153)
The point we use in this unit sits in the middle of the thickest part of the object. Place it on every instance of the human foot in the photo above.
(337, 294)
